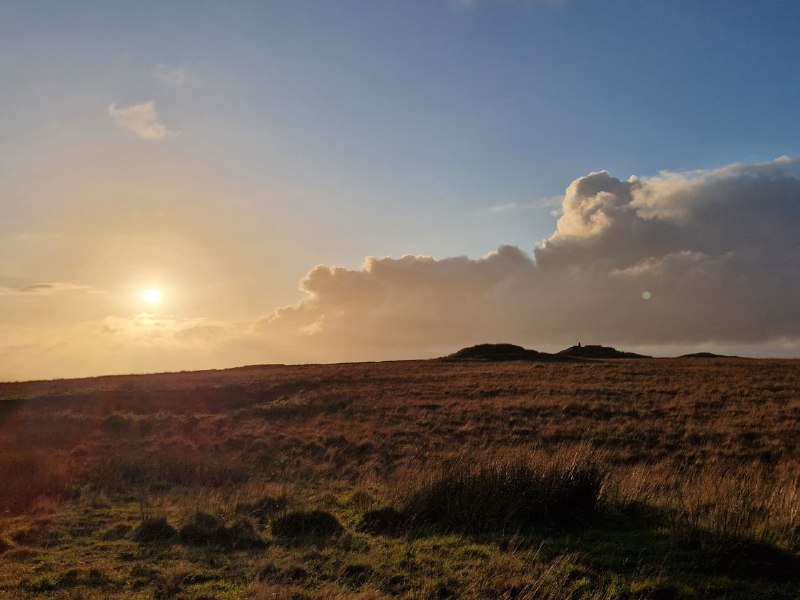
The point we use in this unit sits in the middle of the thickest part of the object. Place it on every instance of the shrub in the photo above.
(155, 529)
(314, 523)
(510, 493)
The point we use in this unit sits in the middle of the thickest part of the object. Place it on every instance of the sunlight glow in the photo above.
(152, 296)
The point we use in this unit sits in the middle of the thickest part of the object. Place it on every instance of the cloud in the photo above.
(140, 120)
(553, 204)
(501, 208)
(717, 250)
(172, 75)
(152, 330)
(114, 344)
(46, 289)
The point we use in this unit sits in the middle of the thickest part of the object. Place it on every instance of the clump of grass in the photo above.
(202, 529)
(746, 530)
(510, 492)
(154, 529)
(301, 524)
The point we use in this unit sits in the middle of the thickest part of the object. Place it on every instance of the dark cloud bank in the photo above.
(718, 251)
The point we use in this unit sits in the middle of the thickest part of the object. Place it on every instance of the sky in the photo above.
(336, 180)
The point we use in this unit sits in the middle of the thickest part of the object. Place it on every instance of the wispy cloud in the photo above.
(42, 289)
(553, 204)
(172, 75)
(140, 120)
(501, 208)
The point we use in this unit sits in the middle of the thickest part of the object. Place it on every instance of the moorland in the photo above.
(597, 479)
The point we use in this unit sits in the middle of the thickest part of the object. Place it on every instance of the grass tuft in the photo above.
(510, 493)
(155, 529)
(301, 524)
(202, 529)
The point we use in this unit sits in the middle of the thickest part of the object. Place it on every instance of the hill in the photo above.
(503, 352)
(599, 352)
(706, 355)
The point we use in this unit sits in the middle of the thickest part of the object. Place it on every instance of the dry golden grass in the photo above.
(702, 453)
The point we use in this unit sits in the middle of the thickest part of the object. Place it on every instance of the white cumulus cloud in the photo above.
(717, 251)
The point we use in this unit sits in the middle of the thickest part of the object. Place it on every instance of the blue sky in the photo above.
(298, 132)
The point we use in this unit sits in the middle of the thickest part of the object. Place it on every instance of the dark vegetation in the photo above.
(503, 352)
(509, 494)
(595, 479)
(592, 351)
(315, 523)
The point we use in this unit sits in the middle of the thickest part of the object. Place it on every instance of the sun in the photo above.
(152, 296)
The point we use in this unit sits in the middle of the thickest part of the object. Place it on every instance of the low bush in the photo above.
(510, 493)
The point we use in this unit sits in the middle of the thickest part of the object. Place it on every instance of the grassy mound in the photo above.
(502, 352)
(301, 524)
(155, 529)
(202, 529)
(599, 352)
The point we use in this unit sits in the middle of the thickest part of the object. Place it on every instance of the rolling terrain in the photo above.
(597, 479)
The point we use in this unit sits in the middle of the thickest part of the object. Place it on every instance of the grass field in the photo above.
(648, 478)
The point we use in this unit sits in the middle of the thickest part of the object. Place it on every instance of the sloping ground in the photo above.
(503, 352)
(706, 355)
(599, 352)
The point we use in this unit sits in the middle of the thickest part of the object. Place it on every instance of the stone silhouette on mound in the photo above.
(504, 352)
(599, 352)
